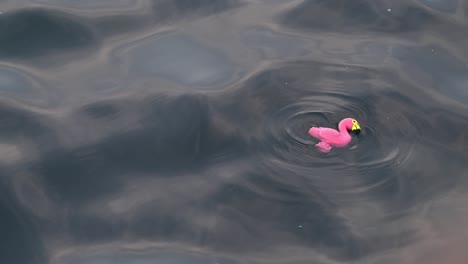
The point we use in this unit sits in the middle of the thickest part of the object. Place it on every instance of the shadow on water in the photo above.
(204, 156)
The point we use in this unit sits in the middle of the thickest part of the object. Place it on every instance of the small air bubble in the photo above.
(389, 10)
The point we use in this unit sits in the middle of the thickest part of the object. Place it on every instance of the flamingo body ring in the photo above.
(330, 137)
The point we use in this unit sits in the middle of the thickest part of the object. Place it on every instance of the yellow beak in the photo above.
(356, 127)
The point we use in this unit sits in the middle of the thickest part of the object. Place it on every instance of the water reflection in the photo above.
(176, 132)
(181, 59)
(435, 66)
(14, 83)
(274, 45)
(442, 5)
(89, 4)
(167, 9)
(342, 15)
(18, 230)
(141, 254)
(31, 33)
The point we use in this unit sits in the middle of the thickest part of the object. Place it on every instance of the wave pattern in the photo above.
(176, 131)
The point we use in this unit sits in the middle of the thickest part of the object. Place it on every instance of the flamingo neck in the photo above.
(342, 129)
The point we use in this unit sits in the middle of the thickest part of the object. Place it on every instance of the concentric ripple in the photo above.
(386, 139)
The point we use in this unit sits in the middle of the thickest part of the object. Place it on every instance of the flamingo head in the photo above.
(352, 125)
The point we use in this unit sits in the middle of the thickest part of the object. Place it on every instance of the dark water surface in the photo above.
(175, 131)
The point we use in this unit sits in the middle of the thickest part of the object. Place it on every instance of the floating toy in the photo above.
(330, 137)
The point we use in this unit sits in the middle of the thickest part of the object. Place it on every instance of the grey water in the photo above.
(175, 131)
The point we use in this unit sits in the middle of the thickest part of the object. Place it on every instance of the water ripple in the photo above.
(327, 109)
(181, 59)
(359, 15)
(176, 131)
(20, 86)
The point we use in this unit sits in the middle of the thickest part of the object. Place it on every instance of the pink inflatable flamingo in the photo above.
(330, 137)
